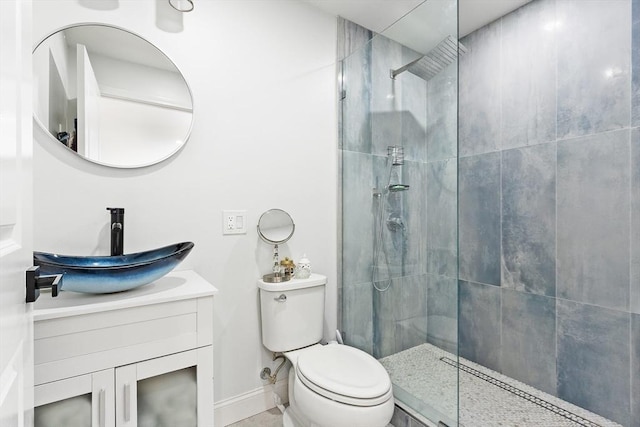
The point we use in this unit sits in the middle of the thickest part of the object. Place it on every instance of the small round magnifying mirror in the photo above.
(275, 226)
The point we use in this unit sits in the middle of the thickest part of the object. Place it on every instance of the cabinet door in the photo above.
(174, 390)
(84, 401)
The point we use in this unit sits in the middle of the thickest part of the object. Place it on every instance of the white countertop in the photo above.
(175, 286)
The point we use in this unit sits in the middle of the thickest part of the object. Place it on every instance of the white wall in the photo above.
(264, 136)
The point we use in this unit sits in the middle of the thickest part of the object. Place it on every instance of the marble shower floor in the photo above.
(420, 373)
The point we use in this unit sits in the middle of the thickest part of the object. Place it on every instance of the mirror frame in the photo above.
(116, 166)
(276, 242)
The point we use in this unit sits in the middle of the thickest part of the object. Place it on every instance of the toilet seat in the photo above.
(344, 374)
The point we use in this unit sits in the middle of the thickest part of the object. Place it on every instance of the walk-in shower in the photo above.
(503, 288)
(398, 166)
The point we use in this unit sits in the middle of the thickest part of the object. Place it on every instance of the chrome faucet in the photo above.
(117, 231)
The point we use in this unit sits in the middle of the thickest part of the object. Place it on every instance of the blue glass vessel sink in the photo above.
(107, 274)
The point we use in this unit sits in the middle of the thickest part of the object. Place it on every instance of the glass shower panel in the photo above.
(398, 151)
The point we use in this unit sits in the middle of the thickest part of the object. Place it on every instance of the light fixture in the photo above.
(182, 5)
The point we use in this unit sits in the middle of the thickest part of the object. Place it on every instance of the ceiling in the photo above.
(431, 19)
(478, 13)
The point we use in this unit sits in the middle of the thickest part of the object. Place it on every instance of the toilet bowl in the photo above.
(339, 386)
(331, 385)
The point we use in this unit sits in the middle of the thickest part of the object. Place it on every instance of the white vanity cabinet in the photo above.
(138, 358)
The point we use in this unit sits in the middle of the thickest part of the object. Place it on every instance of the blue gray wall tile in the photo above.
(593, 219)
(529, 219)
(357, 315)
(442, 312)
(479, 92)
(390, 217)
(594, 46)
(357, 202)
(411, 321)
(386, 120)
(568, 79)
(411, 93)
(413, 294)
(442, 115)
(479, 220)
(528, 76)
(385, 317)
(593, 359)
(529, 339)
(635, 64)
(635, 370)
(351, 38)
(412, 217)
(399, 315)
(356, 129)
(441, 211)
(635, 220)
(410, 333)
(479, 324)
(414, 121)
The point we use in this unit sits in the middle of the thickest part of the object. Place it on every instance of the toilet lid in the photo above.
(345, 374)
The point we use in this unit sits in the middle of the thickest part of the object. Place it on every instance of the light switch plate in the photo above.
(234, 222)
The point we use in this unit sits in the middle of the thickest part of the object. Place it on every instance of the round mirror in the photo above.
(275, 226)
(110, 96)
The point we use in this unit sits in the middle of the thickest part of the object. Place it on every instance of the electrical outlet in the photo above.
(234, 222)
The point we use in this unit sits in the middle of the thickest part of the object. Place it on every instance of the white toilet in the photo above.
(330, 385)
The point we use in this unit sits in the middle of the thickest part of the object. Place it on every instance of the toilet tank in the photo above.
(292, 312)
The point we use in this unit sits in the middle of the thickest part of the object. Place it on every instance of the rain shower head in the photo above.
(436, 60)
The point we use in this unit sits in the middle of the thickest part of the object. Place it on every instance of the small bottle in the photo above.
(73, 138)
(288, 267)
(62, 136)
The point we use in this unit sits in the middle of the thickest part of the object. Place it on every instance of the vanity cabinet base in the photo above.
(129, 359)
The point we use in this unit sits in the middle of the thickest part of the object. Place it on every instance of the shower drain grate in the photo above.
(523, 394)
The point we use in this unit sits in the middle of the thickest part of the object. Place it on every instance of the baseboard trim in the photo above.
(245, 405)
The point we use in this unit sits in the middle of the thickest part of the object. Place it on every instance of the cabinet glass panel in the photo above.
(168, 400)
(72, 412)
